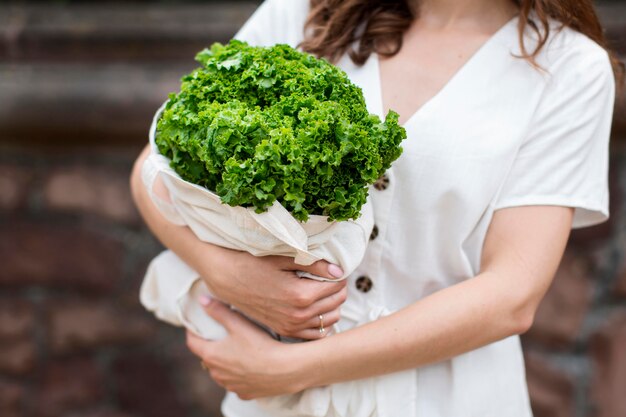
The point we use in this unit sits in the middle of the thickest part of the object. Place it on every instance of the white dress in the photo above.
(499, 134)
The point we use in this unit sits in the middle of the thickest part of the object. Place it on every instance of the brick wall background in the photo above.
(78, 85)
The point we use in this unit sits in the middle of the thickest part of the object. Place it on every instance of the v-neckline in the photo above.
(457, 74)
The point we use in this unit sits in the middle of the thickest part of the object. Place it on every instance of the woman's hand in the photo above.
(268, 290)
(248, 361)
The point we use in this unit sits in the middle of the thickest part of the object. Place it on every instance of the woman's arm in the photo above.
(266, 289)
(521, 253)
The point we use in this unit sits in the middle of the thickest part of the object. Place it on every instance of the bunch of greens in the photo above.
(260, 124)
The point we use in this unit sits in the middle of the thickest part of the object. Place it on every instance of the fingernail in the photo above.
(335, 271)
(204, 300)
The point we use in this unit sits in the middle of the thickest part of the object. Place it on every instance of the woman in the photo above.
(508, 118)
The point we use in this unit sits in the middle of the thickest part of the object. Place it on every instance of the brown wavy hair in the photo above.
(333, 26)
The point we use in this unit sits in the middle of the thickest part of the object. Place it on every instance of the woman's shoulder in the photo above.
(276, 21)
(578, 87)
(571, 54)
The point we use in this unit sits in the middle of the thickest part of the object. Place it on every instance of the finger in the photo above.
(320, 268)
(217, 377)
(310, 334)
(233, 321)
(300, 319)
(330, 303)
(314, 328)
(221, 313)
(328, 319)
(245, 396)
(316, 291)
(199, 346)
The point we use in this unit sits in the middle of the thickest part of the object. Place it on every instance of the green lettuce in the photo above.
(263, 124)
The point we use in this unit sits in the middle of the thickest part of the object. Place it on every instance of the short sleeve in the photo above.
(563, 159)
(275, 21)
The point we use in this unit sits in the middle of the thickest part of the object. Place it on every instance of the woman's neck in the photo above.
(488, 14)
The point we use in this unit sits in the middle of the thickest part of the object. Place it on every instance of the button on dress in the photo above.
(364, 283)
(499, 134)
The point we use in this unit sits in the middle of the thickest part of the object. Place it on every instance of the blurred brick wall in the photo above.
(73, 339)
(78, 87)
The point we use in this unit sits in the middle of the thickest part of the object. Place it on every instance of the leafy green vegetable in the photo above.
(260, 124)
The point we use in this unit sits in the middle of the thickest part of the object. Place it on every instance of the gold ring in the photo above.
(322, 330)
(203, 365)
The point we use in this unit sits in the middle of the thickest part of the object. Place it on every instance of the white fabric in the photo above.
(171, 290)
(499, 134)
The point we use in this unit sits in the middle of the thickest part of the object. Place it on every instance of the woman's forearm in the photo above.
(521, 253)
(180, 239)
(450, 322)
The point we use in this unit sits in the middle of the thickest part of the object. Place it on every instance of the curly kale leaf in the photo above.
(263, 124)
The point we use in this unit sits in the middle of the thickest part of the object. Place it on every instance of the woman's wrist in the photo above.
(308, 363)
(213, 269)
(303, 365)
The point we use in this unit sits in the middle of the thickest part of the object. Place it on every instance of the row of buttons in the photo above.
(364, 283)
